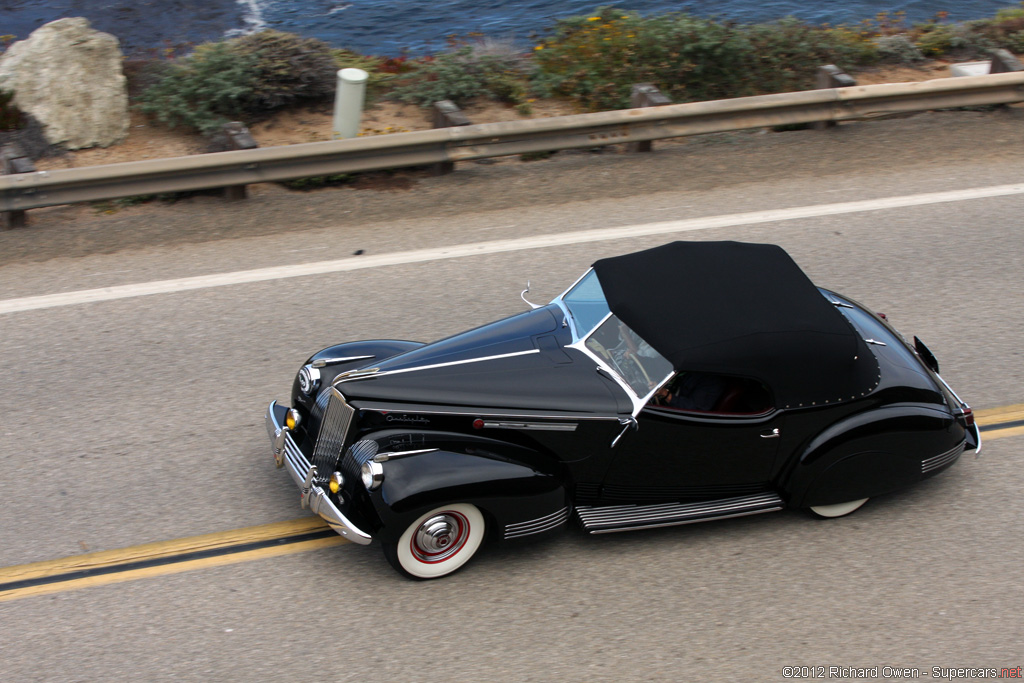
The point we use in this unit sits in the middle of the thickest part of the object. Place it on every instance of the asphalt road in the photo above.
(139, 420)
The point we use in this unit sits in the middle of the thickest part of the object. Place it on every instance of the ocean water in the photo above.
(394, 27)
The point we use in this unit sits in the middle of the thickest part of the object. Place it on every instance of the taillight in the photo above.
(965, 416)
(883, 316)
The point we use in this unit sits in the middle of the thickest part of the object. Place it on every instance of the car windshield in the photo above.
(633, 359)
(586, 304)
(612, 341)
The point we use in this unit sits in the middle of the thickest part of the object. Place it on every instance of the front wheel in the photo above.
(837, 510)
(439, 542)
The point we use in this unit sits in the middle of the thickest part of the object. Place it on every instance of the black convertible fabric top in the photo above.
(740, 309)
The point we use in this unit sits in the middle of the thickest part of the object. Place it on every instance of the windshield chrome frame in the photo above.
(579, 343)
(576, 336)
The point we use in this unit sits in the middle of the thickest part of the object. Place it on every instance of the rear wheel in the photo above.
(438, 542)
(837, 510)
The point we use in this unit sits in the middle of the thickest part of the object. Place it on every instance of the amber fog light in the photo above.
(292, 419)
(336, 482)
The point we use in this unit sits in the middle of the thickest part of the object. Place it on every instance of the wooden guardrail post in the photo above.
(13, 160)
(645, 95)
(446, 115)
(1003, 62)
(238, 137)
(830, 76)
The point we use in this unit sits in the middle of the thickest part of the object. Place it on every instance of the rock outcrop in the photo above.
(69, 77)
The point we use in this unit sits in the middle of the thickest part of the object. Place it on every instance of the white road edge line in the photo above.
(34, 303)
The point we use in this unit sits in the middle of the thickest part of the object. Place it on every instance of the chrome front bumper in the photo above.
(288, 455)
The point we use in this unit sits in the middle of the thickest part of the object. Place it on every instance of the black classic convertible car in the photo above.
(689, 382)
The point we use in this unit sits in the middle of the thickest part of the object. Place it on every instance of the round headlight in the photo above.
(372, 474)
(309, 379)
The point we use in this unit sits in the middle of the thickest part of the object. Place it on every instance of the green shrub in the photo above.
(462, 74)
(287, 67)
(789, 52)
(1005, 31)
(898, 49)
(203, 90)
(242, 78)
(971, 39)
(318, 182)
(934, 40)
(859, 49)
(596, 59)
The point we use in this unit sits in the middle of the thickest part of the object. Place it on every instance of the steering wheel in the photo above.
(629, 355)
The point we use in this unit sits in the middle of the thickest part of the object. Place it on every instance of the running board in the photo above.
(608, 519)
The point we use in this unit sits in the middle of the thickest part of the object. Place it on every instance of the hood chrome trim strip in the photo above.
(343, 378)
(324, 362)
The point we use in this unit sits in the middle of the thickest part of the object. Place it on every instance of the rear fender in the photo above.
(871, 453)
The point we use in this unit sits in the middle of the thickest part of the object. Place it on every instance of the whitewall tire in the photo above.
(837, 510)
(438, 542)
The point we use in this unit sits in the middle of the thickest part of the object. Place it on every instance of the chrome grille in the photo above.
(317, 413)
(942, 459)
(333, 430)
(356, 456)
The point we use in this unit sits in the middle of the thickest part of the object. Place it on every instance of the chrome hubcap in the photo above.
(440, 537)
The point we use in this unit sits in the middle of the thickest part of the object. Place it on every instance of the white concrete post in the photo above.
(348, 102)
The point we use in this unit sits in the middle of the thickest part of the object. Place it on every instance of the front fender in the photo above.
(507, 491)
(870, 453)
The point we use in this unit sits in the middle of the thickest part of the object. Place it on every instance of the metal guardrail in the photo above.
(464, 143)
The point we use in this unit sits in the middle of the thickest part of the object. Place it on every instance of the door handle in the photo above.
(774, 434)
(627, 424)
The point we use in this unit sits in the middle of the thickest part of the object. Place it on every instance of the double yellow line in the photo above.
(258, 542)
(166, 557)
(997, 423)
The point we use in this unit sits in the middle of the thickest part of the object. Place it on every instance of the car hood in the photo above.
(518, 363)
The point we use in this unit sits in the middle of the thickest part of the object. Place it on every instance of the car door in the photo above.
(678, 455)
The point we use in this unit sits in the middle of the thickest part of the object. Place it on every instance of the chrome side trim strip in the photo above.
(942, 459)
(369, 405)
(614, 518)
(537, 426)
(536, 526)
(358, 374)
(384, 457)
